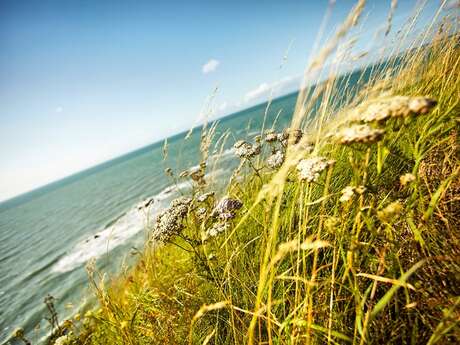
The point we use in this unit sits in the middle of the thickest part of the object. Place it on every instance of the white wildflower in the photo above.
(311, 168)
(227, 204)
(201, 213)
(170, 221)
(360, 134)
(347, 194)
(349, 191)
(63, 340)
(406, 178)
(215, 230)
(244, 149)
(271, 136)
(275, 160)
(397, 106)
(226, 216)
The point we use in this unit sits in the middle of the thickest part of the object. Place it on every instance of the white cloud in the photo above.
(264, 89)
(259, 91)
(210, 66)
(223, 106)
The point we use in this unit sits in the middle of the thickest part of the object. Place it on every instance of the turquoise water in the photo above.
(47, 236)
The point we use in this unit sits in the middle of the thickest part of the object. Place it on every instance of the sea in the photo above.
(48, 235)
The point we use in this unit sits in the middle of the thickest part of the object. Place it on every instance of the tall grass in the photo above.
(366, 251)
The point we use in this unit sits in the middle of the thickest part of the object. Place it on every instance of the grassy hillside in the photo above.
(343, 229)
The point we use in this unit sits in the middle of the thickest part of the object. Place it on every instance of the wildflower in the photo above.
(205, 196)
(421, 105)
(258, 138)
(347, 194)
(283, 137)
(406, 178)
(271, 136)
(397, 106)
(181, 201)
(349, 191)
(297, 135)
(276, 159)
(226, 216)
(310, 169)
(227, 204)
(244, 149)
(215, 230)
(390, 212)
(239, 143)
(64, 339)
(201, 213)
(256, 149)
(169, 222)
(305, 148)
(360, 134)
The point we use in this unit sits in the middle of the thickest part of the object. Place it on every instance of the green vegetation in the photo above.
(353, 239)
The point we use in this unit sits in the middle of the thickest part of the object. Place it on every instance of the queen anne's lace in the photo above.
(311, 168)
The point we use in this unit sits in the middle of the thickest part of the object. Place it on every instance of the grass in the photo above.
(313, 262)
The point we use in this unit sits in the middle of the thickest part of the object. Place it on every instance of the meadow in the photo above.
(342, 229)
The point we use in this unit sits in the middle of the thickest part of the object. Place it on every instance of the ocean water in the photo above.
(47, 236)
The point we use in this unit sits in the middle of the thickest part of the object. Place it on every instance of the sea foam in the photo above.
(125, 227)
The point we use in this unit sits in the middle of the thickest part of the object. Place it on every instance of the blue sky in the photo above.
(85, 81)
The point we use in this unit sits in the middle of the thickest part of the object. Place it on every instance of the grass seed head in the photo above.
(204, 197)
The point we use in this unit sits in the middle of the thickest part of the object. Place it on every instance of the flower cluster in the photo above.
(360, 134)
(215, 230)
(271, 136)
(349, 191)
(170, 221)
(225, 210)
(275, 160)
(406, 179)
(310, 169)
(227, 205)
(243, 149)
(64, 339)
(201, 213)
(397, 106)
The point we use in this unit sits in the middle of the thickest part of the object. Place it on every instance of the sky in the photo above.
(82, 82)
